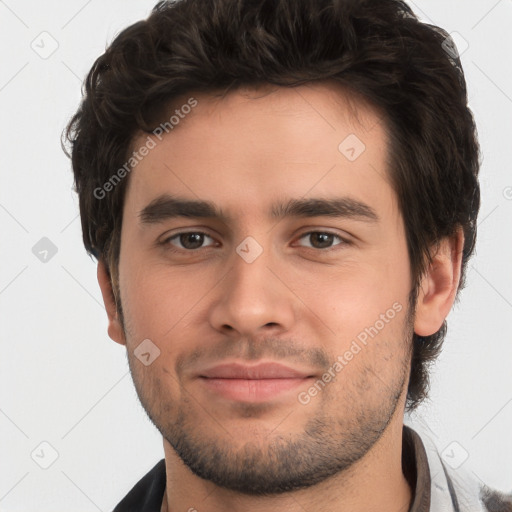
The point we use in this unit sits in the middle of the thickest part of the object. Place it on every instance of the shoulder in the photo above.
(456, 488)
(147, 494)
(495, 501)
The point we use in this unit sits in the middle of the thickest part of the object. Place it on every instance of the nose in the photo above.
(253, 299)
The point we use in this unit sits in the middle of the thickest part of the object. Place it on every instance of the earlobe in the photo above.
(115, 328)
(439, 285)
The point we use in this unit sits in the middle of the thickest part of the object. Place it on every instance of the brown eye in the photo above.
(321, 239)
(189, 240)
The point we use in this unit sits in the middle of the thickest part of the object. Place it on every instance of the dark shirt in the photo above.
(148, 493)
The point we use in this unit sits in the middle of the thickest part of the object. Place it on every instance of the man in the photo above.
(282, 197)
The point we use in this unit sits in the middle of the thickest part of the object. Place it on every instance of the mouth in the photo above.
(257, 383)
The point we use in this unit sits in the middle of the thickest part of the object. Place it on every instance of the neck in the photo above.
(375, 482)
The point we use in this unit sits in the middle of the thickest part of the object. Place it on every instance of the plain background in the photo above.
(64, 382)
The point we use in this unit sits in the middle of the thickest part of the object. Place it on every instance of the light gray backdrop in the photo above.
(73, 435)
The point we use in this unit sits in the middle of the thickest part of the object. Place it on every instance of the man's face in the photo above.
(323, 294)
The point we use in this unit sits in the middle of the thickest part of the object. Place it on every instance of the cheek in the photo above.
(353, 296)
(159, 300)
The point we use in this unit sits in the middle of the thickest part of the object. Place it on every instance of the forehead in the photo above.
(254, 144)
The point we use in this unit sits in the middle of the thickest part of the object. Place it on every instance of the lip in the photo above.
(256, 383)
(253, 372)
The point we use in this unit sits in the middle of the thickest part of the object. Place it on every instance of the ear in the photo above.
(438, 286)
(115, 328)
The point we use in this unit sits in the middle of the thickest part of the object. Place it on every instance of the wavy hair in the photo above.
(378, 49)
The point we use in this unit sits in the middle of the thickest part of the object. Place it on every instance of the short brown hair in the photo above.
(375, 48)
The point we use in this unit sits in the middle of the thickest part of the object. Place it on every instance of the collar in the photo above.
(416, 469)
(438, 488)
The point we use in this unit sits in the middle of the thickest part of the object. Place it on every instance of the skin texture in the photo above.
(296, 303)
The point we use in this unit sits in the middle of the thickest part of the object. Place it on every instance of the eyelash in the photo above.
(166, 241)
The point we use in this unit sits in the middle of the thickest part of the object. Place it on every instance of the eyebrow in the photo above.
(166, 207)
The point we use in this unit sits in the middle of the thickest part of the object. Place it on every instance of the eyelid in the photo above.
(343, 240)
(167, 237)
